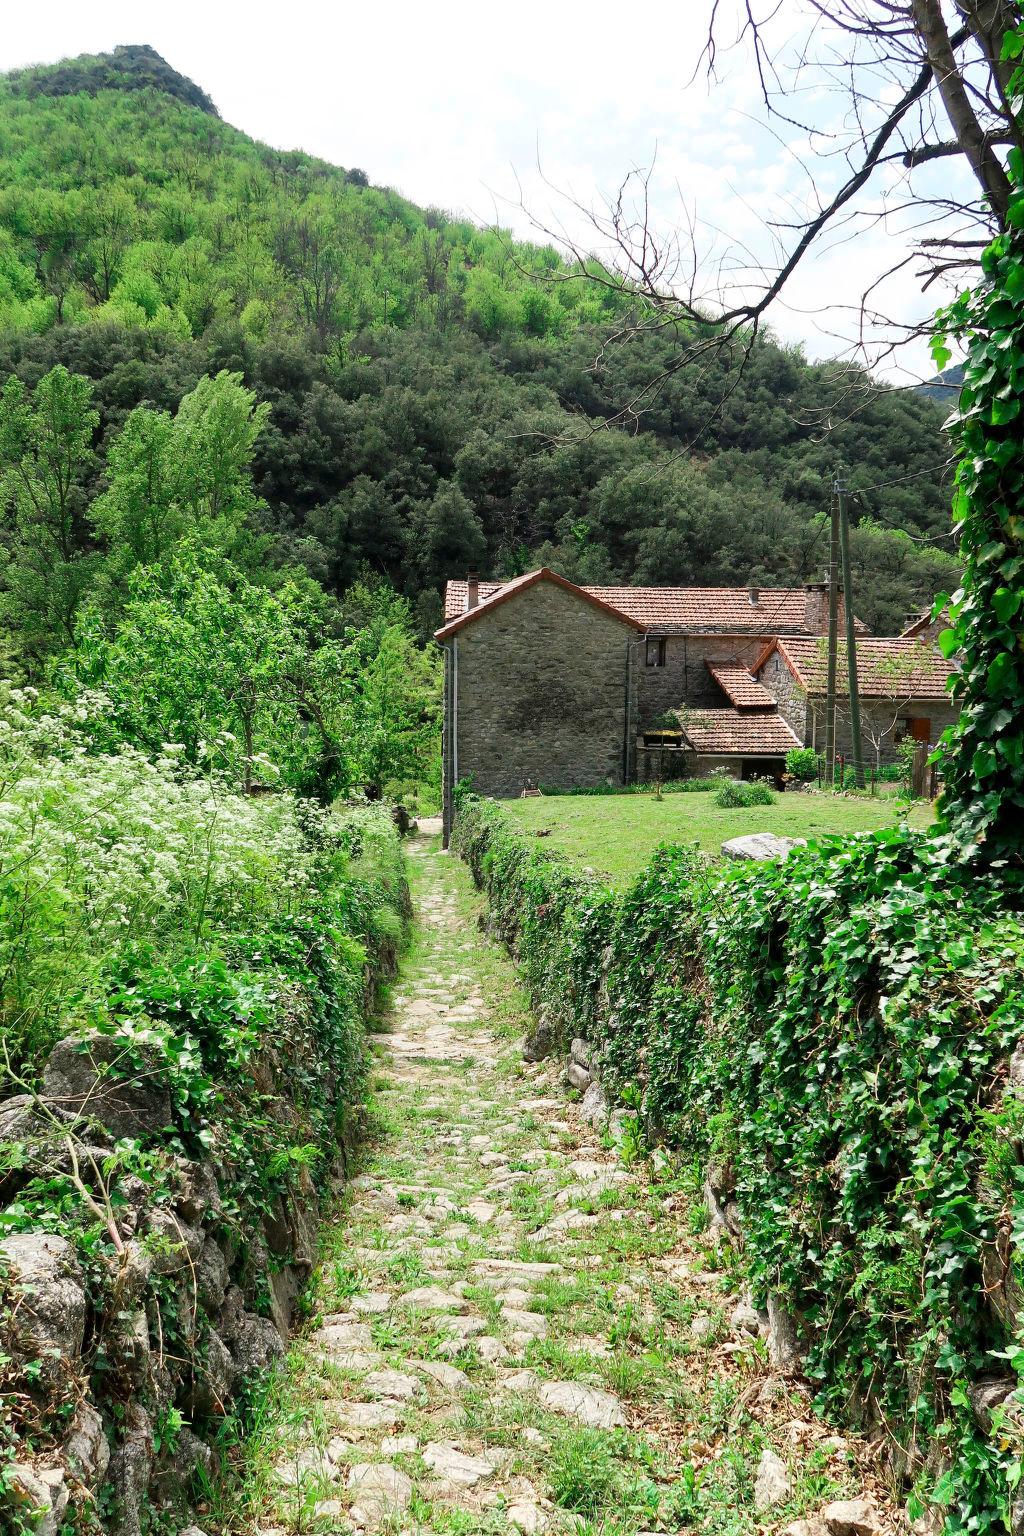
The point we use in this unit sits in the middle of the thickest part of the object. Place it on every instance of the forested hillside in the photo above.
(433, 402)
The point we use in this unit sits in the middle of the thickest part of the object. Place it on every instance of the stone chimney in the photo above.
(816, 609)
(472, 589)
(754, 593)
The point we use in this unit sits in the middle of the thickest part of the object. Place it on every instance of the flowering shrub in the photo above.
(105, 855)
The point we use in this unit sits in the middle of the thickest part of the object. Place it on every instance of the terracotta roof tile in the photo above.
(899, 668)
(737, 684)
(747, 732)
(727, 610)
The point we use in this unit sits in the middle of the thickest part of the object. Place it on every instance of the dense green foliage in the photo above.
(434, 397)
(983, 757)
(169, 621)
(830, 1035)
(220, 953)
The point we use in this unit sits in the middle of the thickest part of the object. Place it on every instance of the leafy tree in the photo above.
(451, 537)
(396, 691)
(45, 454)
(235, 674)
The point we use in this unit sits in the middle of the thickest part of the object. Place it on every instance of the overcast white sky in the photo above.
(450, 103)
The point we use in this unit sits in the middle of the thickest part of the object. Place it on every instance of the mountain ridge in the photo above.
(439, 400)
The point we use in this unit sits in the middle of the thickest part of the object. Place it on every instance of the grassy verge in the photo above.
(615, 836)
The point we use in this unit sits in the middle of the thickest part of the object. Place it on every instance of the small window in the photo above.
(656, 652)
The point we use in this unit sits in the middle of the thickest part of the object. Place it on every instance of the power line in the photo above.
(919, 474)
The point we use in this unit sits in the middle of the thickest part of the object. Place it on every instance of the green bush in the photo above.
(740, 792)
(802, 763)
(846, 1016)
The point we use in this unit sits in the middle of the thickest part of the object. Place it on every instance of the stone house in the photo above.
(550, 684)
(903, 685)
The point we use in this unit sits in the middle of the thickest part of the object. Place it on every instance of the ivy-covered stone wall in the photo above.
(836, 1041)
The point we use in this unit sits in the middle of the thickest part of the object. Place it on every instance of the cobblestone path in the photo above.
(514, 1327)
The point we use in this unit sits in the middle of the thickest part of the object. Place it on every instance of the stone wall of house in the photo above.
(787, 693)
(685, 679)
(542, 695)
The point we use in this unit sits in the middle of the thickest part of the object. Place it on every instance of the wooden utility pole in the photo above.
(851, 637)
(833, 640)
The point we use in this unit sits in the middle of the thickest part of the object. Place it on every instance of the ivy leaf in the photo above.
(1005, 411)
(941, 353)
(1005, 603)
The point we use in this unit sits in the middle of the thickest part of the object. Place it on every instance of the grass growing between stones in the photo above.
(503, 1325)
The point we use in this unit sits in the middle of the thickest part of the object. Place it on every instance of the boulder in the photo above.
(19, 1120)
(540, 1042)
(40, 1495)
(760, 846)
(772, 1484)
(783, 1350)
(381, 1492)
(212, 1277)
(745, 1320)
(594, 1107)
(579, 1052)
(256, 1344)
(455, 1466)
(215, 1377)
(987, 1395)
(86, 1450)
(588, 1405)
(198, 1197)
(851, 1517)
(285, 1286)
(394, 1386)
(133, 1272)
(131, 1467)
(447, 1376)
(47, 1273)
(526, 1516)
(172, 1244)
(92, 1076)
(702, 1327)
(578, 1077)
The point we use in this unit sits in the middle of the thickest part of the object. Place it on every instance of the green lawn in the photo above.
(615, 835)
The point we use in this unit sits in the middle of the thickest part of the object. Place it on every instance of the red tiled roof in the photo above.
(898, 668)
(499, 592)
(728, 610)
(455, 596)
(743, 731)
(738, 685)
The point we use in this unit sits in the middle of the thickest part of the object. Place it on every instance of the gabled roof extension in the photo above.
(899, 667)
(740, 686)
(498, 593)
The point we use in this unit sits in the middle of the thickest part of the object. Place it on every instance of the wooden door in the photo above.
(920, 730)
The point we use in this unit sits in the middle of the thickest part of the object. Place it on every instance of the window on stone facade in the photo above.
(656, 652)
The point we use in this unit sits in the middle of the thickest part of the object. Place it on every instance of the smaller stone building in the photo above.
(903, 684)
